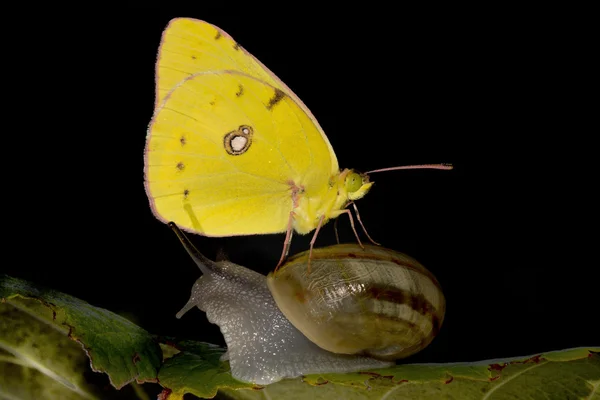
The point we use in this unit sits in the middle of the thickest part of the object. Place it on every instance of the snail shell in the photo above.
(375, 301)
(355, 296)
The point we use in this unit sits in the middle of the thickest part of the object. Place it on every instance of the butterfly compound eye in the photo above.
(353, 182)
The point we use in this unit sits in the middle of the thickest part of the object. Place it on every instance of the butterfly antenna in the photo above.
(423, 166)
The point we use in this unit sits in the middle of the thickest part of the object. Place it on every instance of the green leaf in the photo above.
(567, 374)
(36, 324)
(21, 382)
(114, 345)
(39, 362)
(196, 368)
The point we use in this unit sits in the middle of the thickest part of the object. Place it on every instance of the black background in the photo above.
(509, 232)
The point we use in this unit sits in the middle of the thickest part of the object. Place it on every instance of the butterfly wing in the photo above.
(189, 46)
(223, 152)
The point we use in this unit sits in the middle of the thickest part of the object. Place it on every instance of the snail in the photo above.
(358, 310)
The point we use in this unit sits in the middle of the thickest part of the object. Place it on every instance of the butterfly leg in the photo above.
(337, 238)
(361, 224)
(314, 239)
(288, 241)
(340, 212)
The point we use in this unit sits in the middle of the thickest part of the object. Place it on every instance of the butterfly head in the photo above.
(357, 185)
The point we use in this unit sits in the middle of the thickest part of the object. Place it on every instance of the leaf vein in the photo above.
(504, 382)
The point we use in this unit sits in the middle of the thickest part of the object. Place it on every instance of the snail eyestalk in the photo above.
(206, 265)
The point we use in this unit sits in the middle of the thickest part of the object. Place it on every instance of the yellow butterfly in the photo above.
(231, 150)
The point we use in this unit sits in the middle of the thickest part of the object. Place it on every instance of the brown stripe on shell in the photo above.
(416, 302)
(436, 324)
(371, 257)
(422, 271)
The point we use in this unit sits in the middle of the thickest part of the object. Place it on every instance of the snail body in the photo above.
(262, 323)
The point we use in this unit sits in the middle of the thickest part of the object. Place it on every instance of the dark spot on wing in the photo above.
(236, 46)
(238, 141)
(193, 57)
(182, 140)
(180, 166)
(277, 97)
(218, 35)
(212, 103)
(186, 193)
(240, 91)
